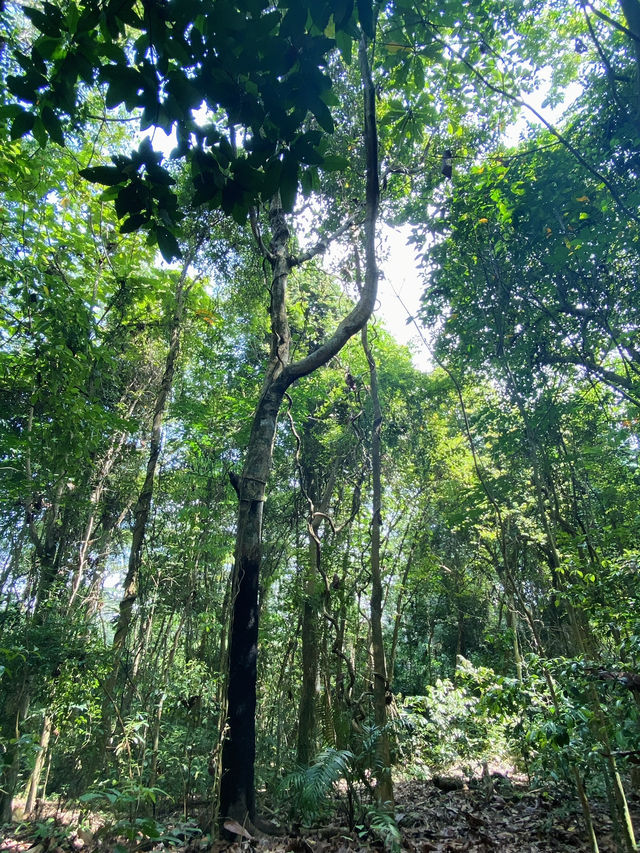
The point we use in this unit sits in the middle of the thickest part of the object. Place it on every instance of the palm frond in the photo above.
(309, 787)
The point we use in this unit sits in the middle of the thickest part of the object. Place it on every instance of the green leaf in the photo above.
(345, 44)
(40, 132)
(335, 163)
(320, 14)
(306, 182)
(271, 180)
(365, 14)
(289, 184)
(53, 125)
(239, 213)
(134, 223)
(294, 21)
(342, 12)
(21, 124)
(131, 199)
(48, 24)
(322, 113)
(107, 175)
(46, 46)
(167, 243)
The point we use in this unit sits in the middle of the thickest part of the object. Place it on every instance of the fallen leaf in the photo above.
(235, 828)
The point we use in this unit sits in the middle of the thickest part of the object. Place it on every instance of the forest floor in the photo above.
(498, 813)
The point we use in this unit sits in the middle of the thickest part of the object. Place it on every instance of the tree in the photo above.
(257, 69)
(237, 798)
(271, 103)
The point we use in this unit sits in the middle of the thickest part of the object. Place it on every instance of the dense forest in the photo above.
(264, 583)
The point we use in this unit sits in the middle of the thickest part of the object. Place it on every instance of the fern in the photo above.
(383, 826)
(309, 787)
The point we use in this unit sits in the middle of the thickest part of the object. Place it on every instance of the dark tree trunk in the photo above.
(237, 793)
(310, 654)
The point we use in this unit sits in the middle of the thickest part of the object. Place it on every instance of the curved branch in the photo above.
(358, 316)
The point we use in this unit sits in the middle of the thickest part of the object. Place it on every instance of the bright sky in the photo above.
(401, 278)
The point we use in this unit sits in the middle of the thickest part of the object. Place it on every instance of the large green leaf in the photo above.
(107, 175)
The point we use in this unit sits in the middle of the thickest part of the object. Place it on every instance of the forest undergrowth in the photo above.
(494, 809)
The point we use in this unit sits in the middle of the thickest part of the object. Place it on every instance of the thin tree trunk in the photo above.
(313, 602)
(111, 457)
(384, 786)
(36, 773)
(155, 747)
(143, 504)
(310, 651)
(19, 680)
(15, 711)
(397, 620)
(512, 621)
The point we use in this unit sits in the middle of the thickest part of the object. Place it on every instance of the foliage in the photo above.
(309, 788)
(510, 470)
(453, 724)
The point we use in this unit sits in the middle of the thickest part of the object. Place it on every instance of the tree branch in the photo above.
(361, 312)
(322, 245)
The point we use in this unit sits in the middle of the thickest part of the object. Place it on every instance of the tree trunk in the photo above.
(310, 652)
(237, 790)
(512, 622)
(397, 620)
(384, 786)
(34, 779)
(237, 794)
(18, 683)
(143, 504)
(142, 509)
(168, 663)
(312, 606)
(15, 711)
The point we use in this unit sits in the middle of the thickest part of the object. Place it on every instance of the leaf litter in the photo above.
(441, 815)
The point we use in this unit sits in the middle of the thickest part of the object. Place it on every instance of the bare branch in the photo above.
(322, 245)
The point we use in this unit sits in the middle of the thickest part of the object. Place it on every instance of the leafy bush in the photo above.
(128, 801)
(461, 723)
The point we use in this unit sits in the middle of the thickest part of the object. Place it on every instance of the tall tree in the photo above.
(237, 797)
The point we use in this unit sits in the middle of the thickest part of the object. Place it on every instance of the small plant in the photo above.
(308, 788)
(49, 830)
(129, 799)
(383, 826)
